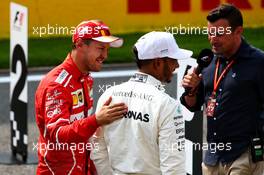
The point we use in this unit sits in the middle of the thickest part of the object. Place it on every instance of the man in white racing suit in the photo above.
(149, 139)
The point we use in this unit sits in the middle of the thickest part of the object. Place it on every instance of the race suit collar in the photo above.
(73, 69)
(148, 79)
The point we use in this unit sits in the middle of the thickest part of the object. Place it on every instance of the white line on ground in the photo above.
(103, 74)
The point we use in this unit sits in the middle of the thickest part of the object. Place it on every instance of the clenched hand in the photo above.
(191, 79)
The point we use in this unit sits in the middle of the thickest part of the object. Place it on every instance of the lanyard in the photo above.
(217, 81)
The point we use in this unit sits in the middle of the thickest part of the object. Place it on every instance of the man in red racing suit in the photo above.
(62, 102)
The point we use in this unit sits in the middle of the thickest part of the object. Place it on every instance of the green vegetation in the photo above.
(52, 51)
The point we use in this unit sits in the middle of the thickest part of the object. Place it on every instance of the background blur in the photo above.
(126, 16)
(50, 23)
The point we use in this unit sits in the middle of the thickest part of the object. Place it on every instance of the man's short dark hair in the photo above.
(86, 41)
(229, 12)
(139, 62)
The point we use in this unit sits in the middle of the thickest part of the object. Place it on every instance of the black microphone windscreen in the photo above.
(205, 57)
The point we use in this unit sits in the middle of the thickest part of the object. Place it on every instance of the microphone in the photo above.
(204, 59)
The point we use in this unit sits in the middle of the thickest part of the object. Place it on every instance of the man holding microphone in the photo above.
(232, 89)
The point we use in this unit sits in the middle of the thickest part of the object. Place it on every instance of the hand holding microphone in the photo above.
(193, 77)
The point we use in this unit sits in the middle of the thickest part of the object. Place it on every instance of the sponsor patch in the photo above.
(75, 117)
(62, 76)
(139, 78)
(137, 116)
(51, 113)
(80, 97)
(74, 100)
(77, 98)
(53, 103)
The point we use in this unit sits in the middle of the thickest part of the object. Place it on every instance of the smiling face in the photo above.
(92, 55)
(223, 40)
(168, 68)
(165, 68)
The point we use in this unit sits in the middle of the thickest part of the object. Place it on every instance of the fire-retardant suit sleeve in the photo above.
(56, 108)
(171, 139)
(100, 156)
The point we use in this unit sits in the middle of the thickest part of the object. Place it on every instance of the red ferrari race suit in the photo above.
(62, 102)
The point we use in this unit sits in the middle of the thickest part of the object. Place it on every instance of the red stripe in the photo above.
(143, 6)
(242, 4)
(209, 4)
(181, 5)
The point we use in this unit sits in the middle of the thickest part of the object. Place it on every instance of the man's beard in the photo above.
(166, 73)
